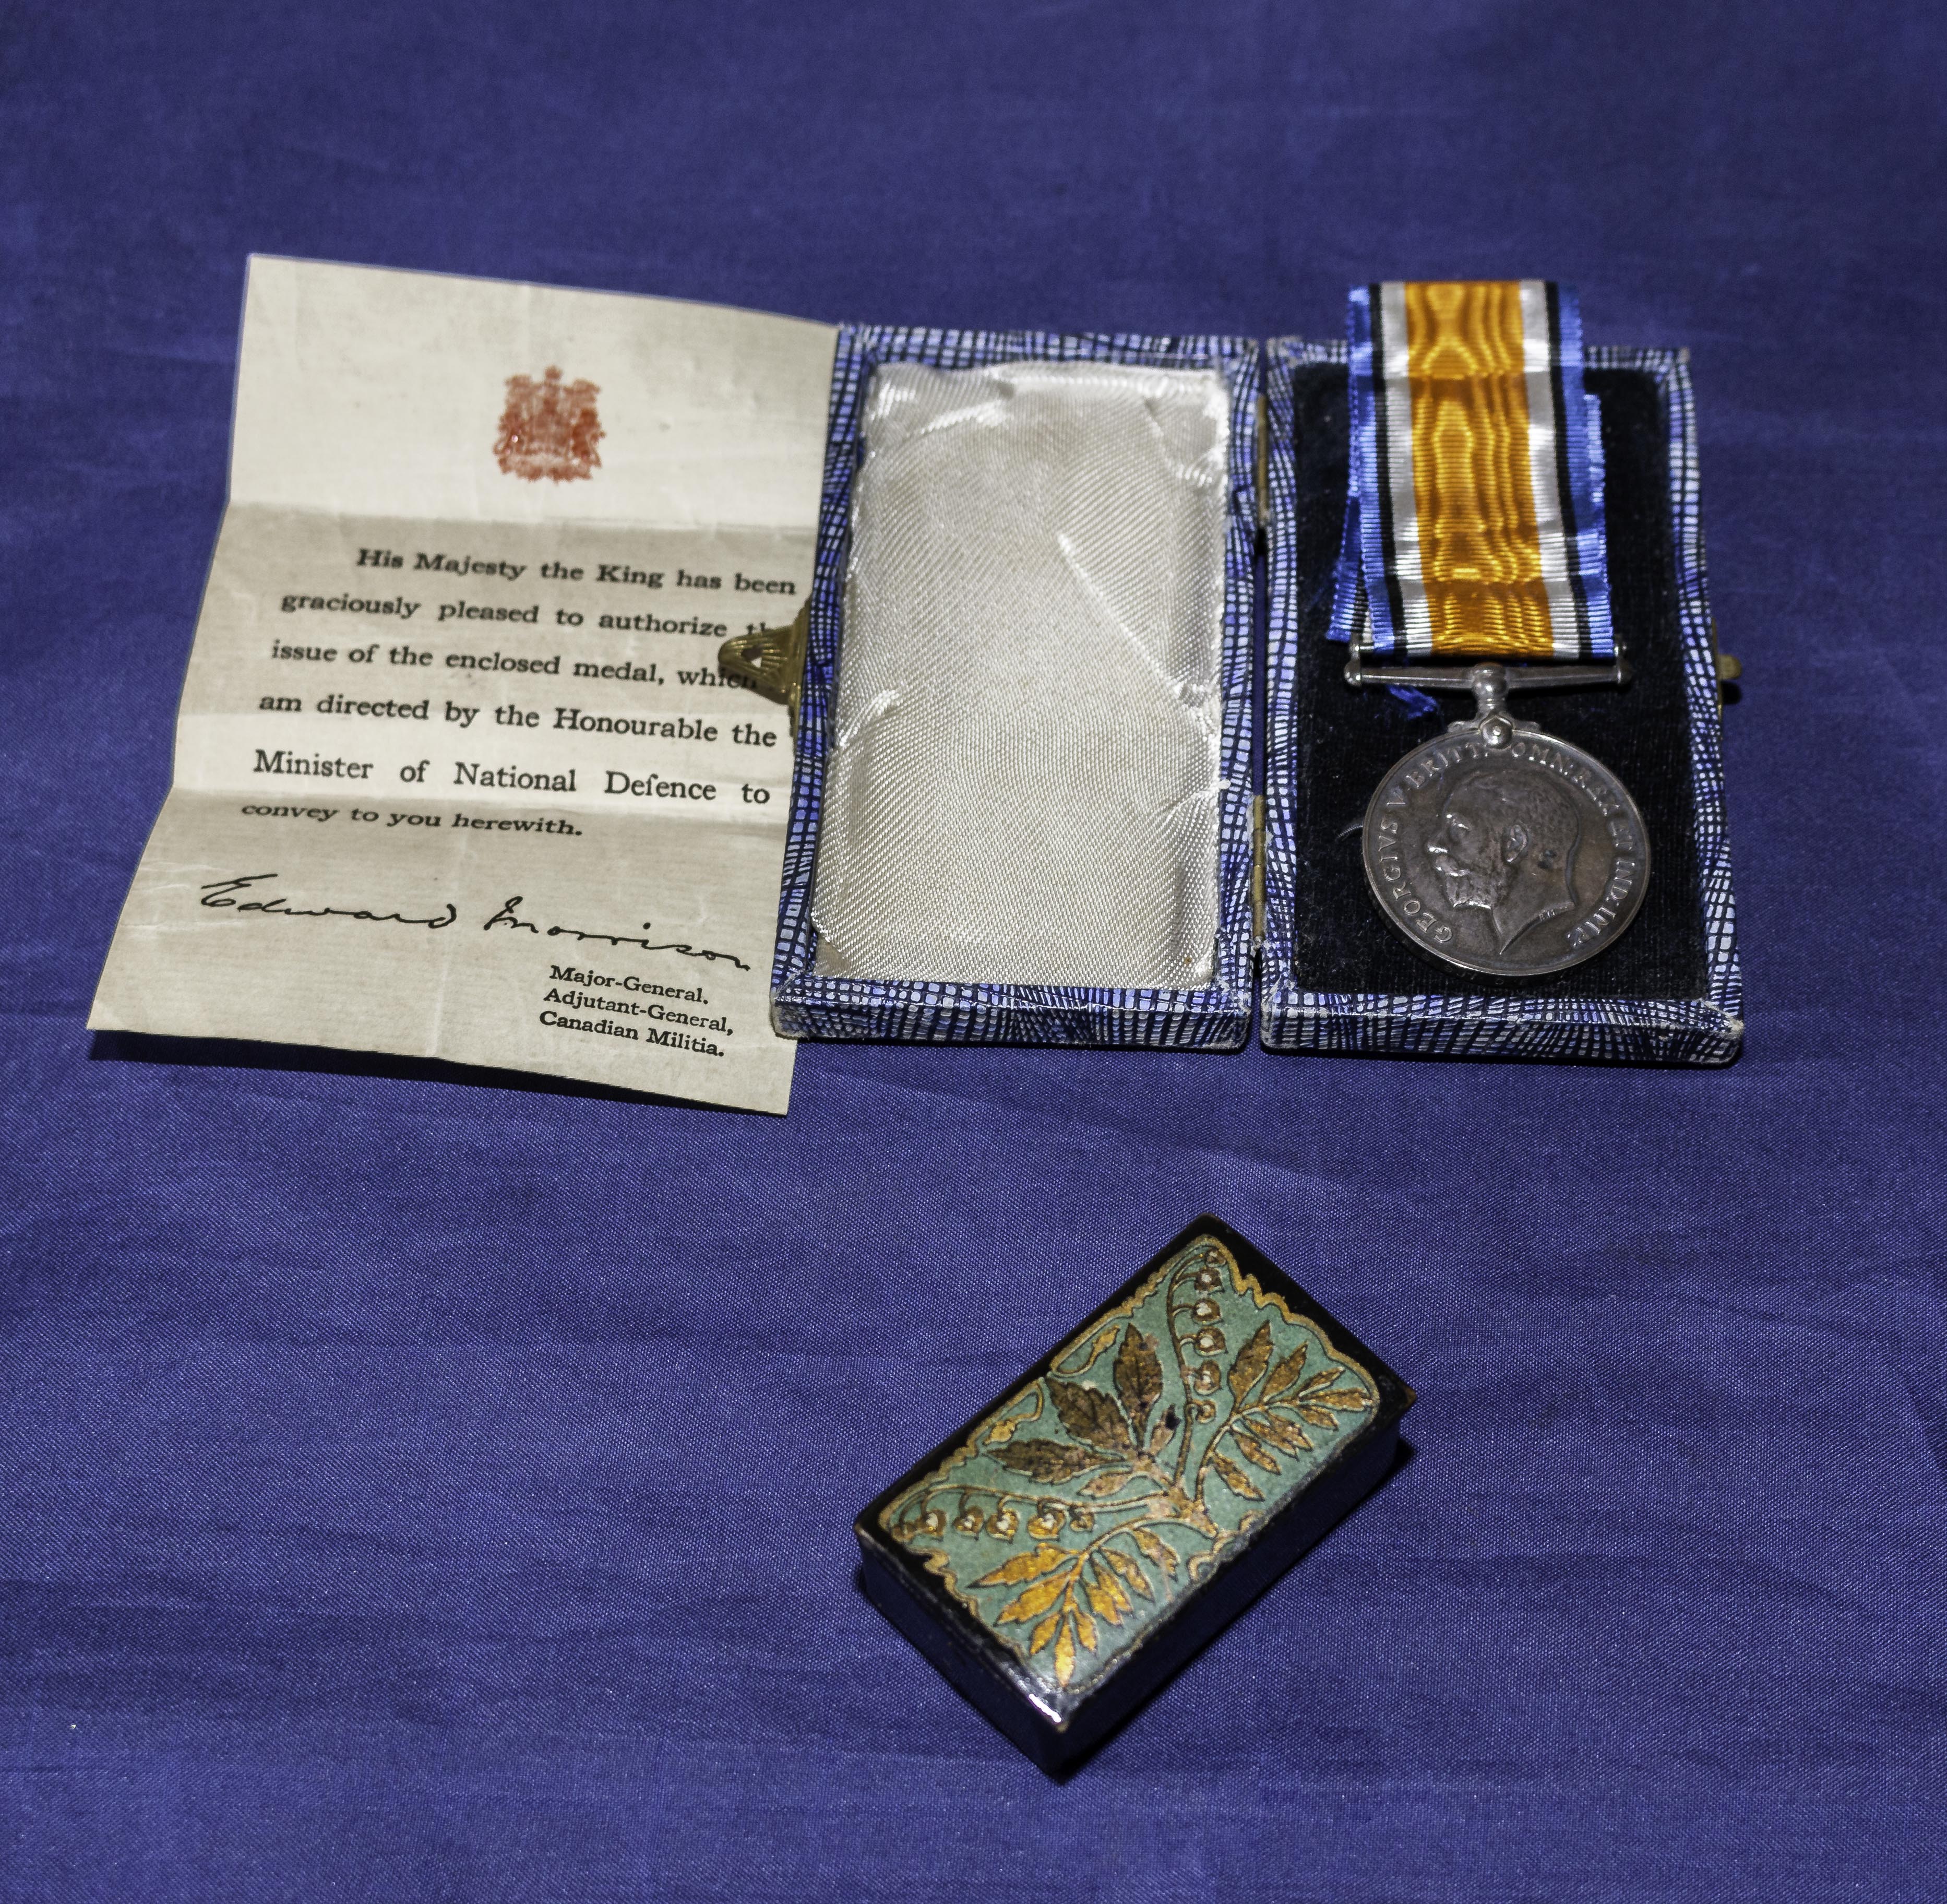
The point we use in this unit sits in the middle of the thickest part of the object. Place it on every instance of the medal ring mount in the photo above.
(1499, 848)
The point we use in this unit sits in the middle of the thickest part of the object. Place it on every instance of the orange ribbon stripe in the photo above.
(1473, 490)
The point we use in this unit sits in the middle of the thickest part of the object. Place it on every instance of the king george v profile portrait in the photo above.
(1506, 843)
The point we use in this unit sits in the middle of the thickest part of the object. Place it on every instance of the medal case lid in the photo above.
(1067, 1549)
(807, 1003)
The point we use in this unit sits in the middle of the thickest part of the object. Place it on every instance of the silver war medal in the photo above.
(1497, 847)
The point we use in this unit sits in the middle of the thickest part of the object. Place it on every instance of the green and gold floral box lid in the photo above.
(1062, 1554)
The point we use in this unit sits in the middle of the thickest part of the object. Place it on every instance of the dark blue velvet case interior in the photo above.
(1335, 976)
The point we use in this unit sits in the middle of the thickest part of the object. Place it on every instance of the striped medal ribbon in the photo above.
(1474, 535)
(1475, 523)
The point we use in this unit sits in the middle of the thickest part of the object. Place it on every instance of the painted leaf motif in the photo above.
(1285, 1374)
(1048, 1460)
(1084, 1630)
(1043, 1633)
(1254, 1451)
(1354, 1401)
(1319, 1413)
(1155, 1548)
(1090, 1415)
(1252, 1359)
(1037, 1599)
(1234, 1478)
(1138, 1377)
(1102, 1485)
(1064, 1654)
(1031, 1565)
(1103, 1601)
(1159, 1435)
(1281, 1433)
(1118, 1592)
(1130, 1572)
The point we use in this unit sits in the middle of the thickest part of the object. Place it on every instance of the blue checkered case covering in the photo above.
(1587, 1027)
(1213, 1017)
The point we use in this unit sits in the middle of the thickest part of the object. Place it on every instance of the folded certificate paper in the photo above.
(456, 775)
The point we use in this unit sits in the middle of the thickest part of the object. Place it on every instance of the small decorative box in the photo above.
(1063, 1553)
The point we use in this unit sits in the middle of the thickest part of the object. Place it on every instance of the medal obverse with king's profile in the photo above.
(1500, 849)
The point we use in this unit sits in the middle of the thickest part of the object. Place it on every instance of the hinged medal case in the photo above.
(1297, 931)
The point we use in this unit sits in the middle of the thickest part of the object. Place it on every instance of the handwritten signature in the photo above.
(508, 917)
(222, 892)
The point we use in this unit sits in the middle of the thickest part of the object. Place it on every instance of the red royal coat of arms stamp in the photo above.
(548, 429)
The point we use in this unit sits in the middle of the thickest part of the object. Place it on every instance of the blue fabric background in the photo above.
(415, 1486)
